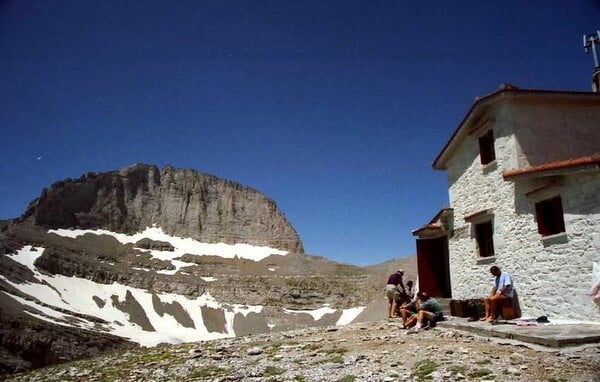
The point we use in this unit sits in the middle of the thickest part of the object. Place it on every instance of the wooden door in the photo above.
(433, 267)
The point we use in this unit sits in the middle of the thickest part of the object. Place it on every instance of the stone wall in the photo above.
(552, 276)
(565, 129)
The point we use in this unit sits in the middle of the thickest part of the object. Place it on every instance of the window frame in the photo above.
(482, 231)
(484, 237)
(549, 216)
(487, 151)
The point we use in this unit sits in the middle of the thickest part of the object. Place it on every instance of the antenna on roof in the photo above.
(589, 44)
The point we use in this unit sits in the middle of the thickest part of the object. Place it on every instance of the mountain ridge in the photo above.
(184, 202)
(71, 287)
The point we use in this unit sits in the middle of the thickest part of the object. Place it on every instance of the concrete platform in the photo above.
(554, 335)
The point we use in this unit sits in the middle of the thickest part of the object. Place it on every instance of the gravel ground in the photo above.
(374, 351)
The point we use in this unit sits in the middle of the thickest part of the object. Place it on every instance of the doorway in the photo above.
(433, 267)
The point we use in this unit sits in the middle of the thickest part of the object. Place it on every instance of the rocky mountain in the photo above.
(183, 203)
(142, 256)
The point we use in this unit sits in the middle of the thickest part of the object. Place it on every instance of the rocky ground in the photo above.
(373, 351)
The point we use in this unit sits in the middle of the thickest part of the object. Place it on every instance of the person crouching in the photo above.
(430, 311)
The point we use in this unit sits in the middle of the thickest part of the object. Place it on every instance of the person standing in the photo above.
(392, 291)
(410, 290)
(503, 289)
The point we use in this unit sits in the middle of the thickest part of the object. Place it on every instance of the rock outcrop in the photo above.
(184, 203)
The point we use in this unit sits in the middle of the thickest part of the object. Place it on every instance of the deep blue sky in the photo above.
(335, 109)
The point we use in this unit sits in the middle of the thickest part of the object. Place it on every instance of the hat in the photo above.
(400, 271)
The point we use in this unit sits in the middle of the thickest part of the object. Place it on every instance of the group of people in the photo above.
(420, 311)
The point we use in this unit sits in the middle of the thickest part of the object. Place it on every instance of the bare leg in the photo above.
(486, 304)
(425, 317)
(411, 321)
(493, 302)
(404, 314)
(492, 309)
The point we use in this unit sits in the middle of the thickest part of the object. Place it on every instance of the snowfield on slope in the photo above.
(56, 295)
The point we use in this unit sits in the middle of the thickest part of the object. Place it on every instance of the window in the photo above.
(549, 215)
(486, 148)
(482, 230)
(484, 233)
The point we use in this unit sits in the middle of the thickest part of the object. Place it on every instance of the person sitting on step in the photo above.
(430, 312)
(409, 307)
(502, 290)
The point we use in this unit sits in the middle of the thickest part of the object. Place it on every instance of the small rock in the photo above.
(435, 375)
(222, 349)
(255, 351)
(517, 358)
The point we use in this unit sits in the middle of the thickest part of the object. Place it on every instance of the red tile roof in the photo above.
(428, 228)
(582, 162)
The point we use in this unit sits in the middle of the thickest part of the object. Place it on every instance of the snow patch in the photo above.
(62, 295)
(73, 294)
(317, 314)
(182, 245)
(348, 315)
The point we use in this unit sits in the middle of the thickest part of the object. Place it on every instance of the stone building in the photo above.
(523, 172)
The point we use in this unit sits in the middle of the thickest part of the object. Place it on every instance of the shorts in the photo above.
(392, 292)
(439, 316)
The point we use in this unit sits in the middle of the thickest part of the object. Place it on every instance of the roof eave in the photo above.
(510, 176)
(440, 162)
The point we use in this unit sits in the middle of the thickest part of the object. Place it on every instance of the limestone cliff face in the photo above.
(182, 202)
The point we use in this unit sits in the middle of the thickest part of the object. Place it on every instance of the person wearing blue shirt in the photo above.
(503, 289)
